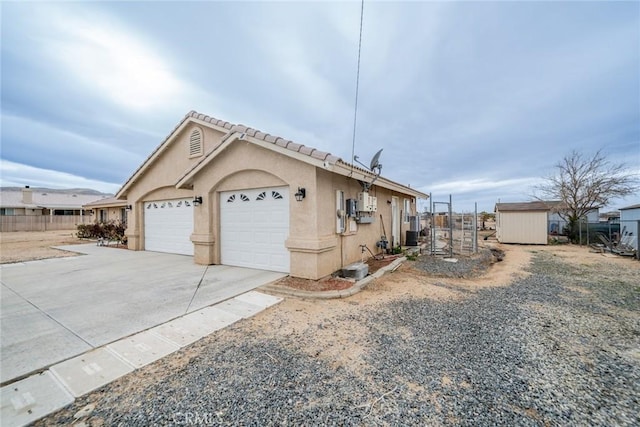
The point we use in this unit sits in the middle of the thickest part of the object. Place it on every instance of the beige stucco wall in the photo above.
(244, 165)
(347, 249)
(315, 248)
(522, 227)
(112, 213)
(159, 180)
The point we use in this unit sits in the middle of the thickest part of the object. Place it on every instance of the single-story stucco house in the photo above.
(229, 194)
(109, 209)
(40, 209)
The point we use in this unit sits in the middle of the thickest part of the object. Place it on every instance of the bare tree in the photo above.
(583, 184)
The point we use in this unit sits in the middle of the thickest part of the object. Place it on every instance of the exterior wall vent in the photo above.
(195, 143)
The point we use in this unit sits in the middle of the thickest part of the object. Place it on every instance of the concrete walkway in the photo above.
(29, 399)
(55, 309)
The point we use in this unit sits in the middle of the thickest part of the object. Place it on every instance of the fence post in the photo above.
(587, 231)
(638, 240)
(580, 231)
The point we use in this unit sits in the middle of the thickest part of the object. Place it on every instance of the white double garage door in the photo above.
(254, 225)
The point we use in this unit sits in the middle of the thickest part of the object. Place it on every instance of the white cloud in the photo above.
(480, 185)
(109, 59)
(299, 65)
(19, 175)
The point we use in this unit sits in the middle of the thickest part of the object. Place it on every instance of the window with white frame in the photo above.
(340, 207)
(407, 210)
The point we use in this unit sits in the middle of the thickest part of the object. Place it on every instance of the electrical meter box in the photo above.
(351, 207)
(367, 203)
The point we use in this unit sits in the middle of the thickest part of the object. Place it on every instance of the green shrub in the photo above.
(111, 230)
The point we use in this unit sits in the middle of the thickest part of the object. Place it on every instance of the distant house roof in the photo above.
(45, 199)
(636, 206)
(527, 206)
(285, 146)
(106, 203)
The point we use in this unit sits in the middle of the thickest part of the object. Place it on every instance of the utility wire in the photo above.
(355, 112)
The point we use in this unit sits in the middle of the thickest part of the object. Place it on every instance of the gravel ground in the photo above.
(558, 347)
(464, 267)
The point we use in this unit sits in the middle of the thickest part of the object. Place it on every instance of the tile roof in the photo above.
(279, 141)
(253, 133)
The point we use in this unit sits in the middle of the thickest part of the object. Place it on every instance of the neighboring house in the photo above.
(610, 217)
(557, 224)
(110, 209)
(630, 224)
(40, 209)
(229, 194)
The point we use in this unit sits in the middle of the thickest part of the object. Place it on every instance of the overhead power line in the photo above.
(355, 110)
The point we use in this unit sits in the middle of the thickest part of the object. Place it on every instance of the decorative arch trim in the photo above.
(248, 178)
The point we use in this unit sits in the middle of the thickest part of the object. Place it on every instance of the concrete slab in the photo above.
(29, 337)
(32, 398)
(193, 326)
(214, 318)
(64, 306)
(90, 371)
(240, 308)
(242, 280)
(356, 271)
(259, 299)
(143, 348)
(181, 332)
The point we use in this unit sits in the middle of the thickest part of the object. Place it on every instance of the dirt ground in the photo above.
(21, 246)
(342, 346)
(332, 330)
(294, 315)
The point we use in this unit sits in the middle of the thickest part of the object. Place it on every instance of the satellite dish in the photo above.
(375, 161)
(375, 164)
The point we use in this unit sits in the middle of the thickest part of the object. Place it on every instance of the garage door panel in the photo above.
(254, 225)
(168, 225)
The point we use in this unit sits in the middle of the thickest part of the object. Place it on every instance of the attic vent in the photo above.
(195, 143)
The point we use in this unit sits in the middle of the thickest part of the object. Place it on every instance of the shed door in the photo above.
(254, 225)
(168, 225)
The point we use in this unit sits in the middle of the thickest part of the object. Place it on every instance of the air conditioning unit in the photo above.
(367, 203)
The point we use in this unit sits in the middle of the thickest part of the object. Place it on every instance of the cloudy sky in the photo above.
(477, 99)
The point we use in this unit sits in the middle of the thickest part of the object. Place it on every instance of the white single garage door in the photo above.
(254, 225)
(168, 225)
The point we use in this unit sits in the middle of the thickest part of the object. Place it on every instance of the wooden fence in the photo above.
(10, 223)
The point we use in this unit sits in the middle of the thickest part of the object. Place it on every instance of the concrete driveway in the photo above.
(55, 309)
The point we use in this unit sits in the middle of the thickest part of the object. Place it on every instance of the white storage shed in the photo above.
(524, 223)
